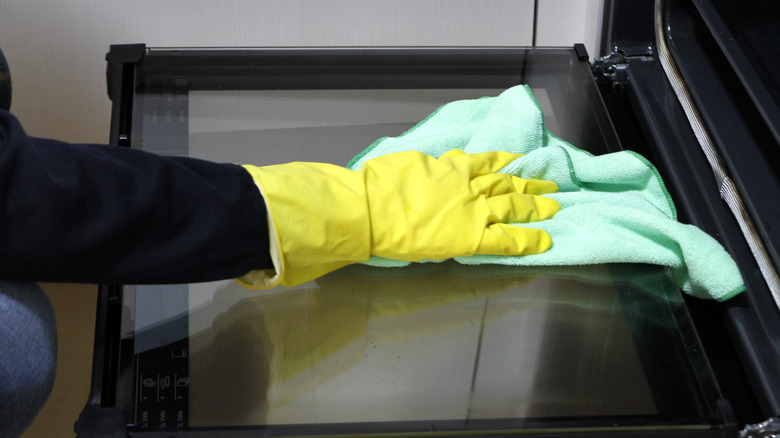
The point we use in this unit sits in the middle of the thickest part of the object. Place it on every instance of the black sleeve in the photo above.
(108, 214)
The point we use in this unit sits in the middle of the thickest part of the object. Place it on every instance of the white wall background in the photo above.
(56, 48)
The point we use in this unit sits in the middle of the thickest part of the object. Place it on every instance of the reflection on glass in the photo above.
(428, 342)
(278, 126)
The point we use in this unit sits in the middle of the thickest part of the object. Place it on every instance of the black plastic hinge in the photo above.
(581, 52)
(97, 422)
(119, 55)
(121, 61)
(728, 418)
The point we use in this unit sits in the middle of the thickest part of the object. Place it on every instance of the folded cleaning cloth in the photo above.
(614, 207)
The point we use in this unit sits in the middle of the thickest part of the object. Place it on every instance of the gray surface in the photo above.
(430, 342)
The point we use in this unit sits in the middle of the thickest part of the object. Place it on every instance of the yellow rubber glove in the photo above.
(403, 206)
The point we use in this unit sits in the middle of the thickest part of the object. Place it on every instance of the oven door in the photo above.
(442, 348)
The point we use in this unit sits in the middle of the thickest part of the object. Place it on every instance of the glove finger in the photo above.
(520, 208)
(493, 184)
(503, 239)
(452, 153)
(480, 163)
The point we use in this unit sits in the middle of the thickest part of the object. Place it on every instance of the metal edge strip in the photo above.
(728, 190)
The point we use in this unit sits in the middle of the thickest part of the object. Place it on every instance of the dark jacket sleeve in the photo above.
(108, 214)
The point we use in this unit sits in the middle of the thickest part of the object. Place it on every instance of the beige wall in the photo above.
(56, 48)
(563, 22)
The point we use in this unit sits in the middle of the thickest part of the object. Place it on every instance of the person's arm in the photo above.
(107, 214)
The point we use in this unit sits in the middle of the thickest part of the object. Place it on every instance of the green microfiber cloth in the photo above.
(614, 207)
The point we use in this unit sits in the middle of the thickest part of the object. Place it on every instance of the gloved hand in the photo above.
(404, 206)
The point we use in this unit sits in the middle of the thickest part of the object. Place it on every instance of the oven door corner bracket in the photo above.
(611, 69)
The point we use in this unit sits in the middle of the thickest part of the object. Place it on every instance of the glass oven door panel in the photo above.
(426, 344)
(365, 345)
(438, 346)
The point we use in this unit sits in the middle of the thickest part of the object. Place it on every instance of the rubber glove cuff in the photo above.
(318, 221)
